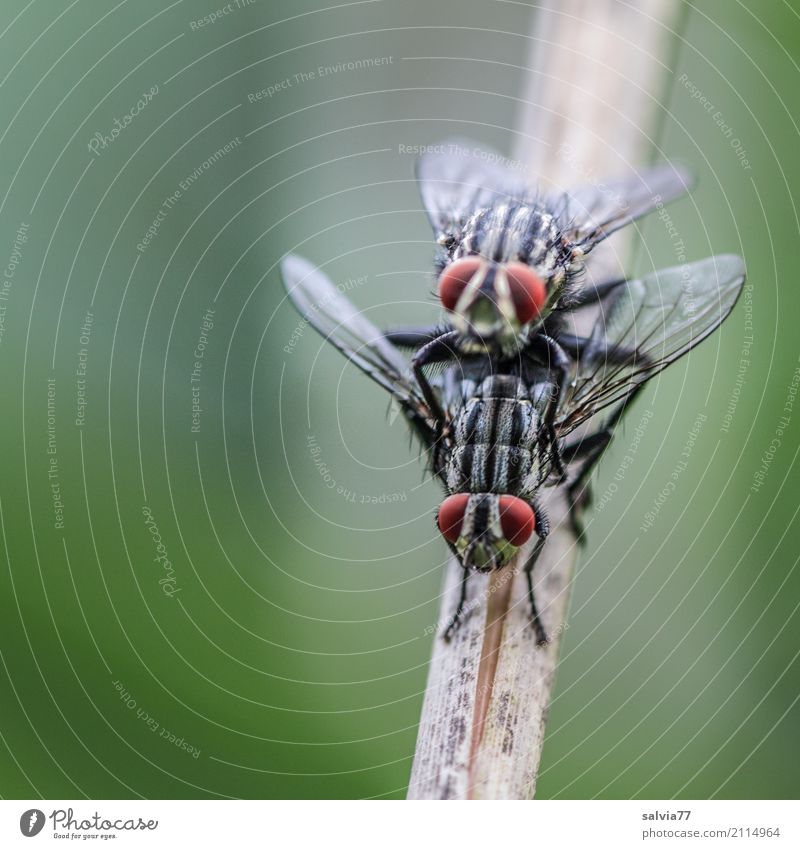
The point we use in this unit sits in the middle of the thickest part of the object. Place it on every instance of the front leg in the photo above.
(542, 530)
(438, 350)
(458, 616)
(414, 337)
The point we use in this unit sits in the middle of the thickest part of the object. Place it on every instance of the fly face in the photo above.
(485, 529)
(490, 302)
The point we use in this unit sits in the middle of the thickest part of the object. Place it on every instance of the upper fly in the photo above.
(510, 256)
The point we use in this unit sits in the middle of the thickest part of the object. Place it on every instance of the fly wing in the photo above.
(592, 213)
(335, 318)
(457, 179)
(648, 324)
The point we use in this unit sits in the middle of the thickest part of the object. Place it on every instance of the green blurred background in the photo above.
(290, 655)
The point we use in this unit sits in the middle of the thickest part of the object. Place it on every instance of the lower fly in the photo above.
(497, 431)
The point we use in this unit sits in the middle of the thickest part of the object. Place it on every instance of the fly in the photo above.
(483, 423)
(511, 260)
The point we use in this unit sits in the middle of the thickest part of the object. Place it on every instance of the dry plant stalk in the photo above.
(590, 108)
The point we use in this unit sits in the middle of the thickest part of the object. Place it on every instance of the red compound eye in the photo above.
(455, 279)
(527, 291)
(451, 515)
(516, 519)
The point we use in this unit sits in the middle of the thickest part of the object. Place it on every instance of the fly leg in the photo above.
(558, 361)
(455, 622)
(542, 530)
(438, 350)
(413, 337)
(579, 347)
(575, 346)
(594, 294)
(589, 449)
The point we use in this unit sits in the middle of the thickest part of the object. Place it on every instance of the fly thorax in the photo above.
(501, 386)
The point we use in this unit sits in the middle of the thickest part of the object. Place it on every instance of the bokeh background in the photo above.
(279, 647)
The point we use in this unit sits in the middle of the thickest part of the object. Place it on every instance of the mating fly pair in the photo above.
(513, 384)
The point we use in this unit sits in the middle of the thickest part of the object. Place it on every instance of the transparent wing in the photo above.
(592, 213)
(458, 178)
(461, 177)
(648, 324)
(332, 315)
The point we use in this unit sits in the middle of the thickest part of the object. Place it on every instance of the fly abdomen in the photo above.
(516, 471)
(502, 469)
(499, 413)
(496, 441)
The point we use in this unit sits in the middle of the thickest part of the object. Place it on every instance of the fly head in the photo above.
(490, 303)
(485, 529)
